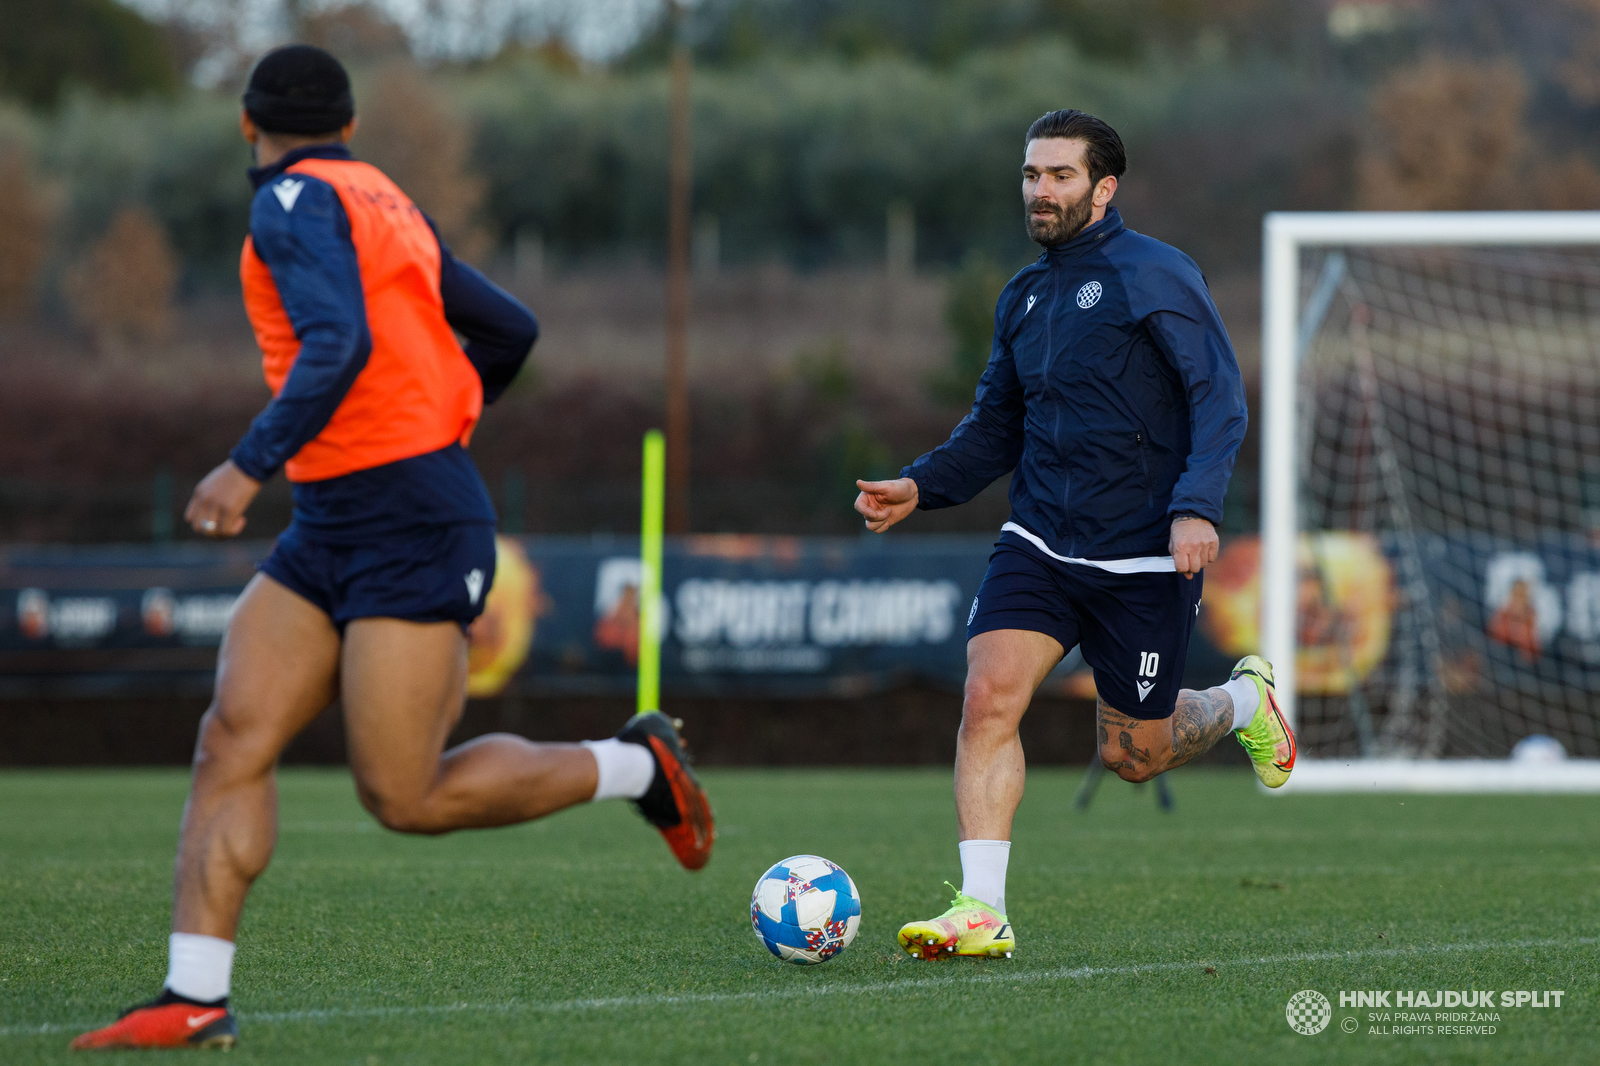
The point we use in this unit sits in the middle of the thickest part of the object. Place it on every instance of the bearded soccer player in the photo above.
(356, 304)
(1113, 397)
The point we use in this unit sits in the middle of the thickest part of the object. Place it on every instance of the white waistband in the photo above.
(1146, 564)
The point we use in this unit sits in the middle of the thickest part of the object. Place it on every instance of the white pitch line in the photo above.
(949, 980)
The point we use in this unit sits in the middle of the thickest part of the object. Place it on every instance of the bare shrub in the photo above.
(1579, 72)
(122, 288)
(1448, 135)
(1570, 184)
(408, 134)
(24, 231)
(356, 33)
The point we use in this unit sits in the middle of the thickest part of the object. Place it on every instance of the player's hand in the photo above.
(217, 507)
(1193, 545)
(883, 503)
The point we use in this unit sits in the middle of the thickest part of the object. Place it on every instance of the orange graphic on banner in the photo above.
(1345, 607)
(501, 637)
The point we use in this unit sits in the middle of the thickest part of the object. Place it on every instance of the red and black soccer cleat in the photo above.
(166, 1022)
(675, 803)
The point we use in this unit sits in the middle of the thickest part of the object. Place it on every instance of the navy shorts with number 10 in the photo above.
(1133, 628)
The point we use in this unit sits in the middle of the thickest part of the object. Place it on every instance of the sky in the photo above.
(595, 29)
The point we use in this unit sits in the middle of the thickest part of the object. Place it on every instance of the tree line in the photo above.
(813, 120)
(871, 133)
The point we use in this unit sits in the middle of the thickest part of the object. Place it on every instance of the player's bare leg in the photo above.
(1247, 705)
(278, 668)
(1004, 668)
(1138, 749)
(405, 686)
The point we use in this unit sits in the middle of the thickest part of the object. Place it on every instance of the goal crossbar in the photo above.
(1285, 236)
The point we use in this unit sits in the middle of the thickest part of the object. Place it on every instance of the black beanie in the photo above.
(299, 89)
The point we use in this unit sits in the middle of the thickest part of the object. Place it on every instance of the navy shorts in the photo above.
(1134, 628)
(427, 574)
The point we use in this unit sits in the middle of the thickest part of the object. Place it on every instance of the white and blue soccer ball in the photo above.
(805, 909)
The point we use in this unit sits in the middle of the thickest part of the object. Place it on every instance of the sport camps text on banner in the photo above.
(787, 615)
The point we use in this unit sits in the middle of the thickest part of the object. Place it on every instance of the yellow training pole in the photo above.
(655, 451)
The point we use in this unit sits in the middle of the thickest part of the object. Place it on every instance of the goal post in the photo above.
(1447, 294)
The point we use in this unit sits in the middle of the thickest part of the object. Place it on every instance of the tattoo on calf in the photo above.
(1125, 725)
(1112, 716)
(1135, 755)
(1199, 721)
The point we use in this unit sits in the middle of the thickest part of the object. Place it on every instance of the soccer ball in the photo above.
(805, 910)
(1538, 748)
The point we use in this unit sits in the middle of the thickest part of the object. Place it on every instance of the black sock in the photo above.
(169, 996)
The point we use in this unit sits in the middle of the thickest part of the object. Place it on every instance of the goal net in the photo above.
(1431, 482)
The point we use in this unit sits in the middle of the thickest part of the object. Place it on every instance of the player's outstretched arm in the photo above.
(220, 500)
(883, 503)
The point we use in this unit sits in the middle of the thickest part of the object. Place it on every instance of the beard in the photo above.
(1062, 225)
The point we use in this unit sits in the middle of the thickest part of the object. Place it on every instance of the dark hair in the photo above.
(1102, 147)
(299, 89)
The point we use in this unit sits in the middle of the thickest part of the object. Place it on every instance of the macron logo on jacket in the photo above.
(288, 191)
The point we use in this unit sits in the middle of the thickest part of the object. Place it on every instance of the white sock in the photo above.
(1246, 698)
(983, 871)
(199, 967)
(626, 770)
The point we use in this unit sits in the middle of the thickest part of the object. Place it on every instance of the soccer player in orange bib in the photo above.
(356, 304)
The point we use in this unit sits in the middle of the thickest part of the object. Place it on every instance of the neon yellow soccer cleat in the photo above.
(969, 927)
(1267, 738)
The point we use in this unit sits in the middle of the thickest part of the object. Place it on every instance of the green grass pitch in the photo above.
(1143, 936)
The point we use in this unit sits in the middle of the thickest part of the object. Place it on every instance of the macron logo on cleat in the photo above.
(288, 191)
(474, 585)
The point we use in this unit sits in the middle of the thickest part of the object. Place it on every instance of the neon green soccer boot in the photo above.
(969, 927)
(1267, 738)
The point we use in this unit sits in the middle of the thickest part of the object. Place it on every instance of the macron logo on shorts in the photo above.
(474, 585)
(1149, 666)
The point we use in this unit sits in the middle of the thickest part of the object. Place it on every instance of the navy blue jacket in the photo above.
(1111, 389)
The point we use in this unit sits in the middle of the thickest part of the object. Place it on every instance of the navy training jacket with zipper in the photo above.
(1113, 392)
